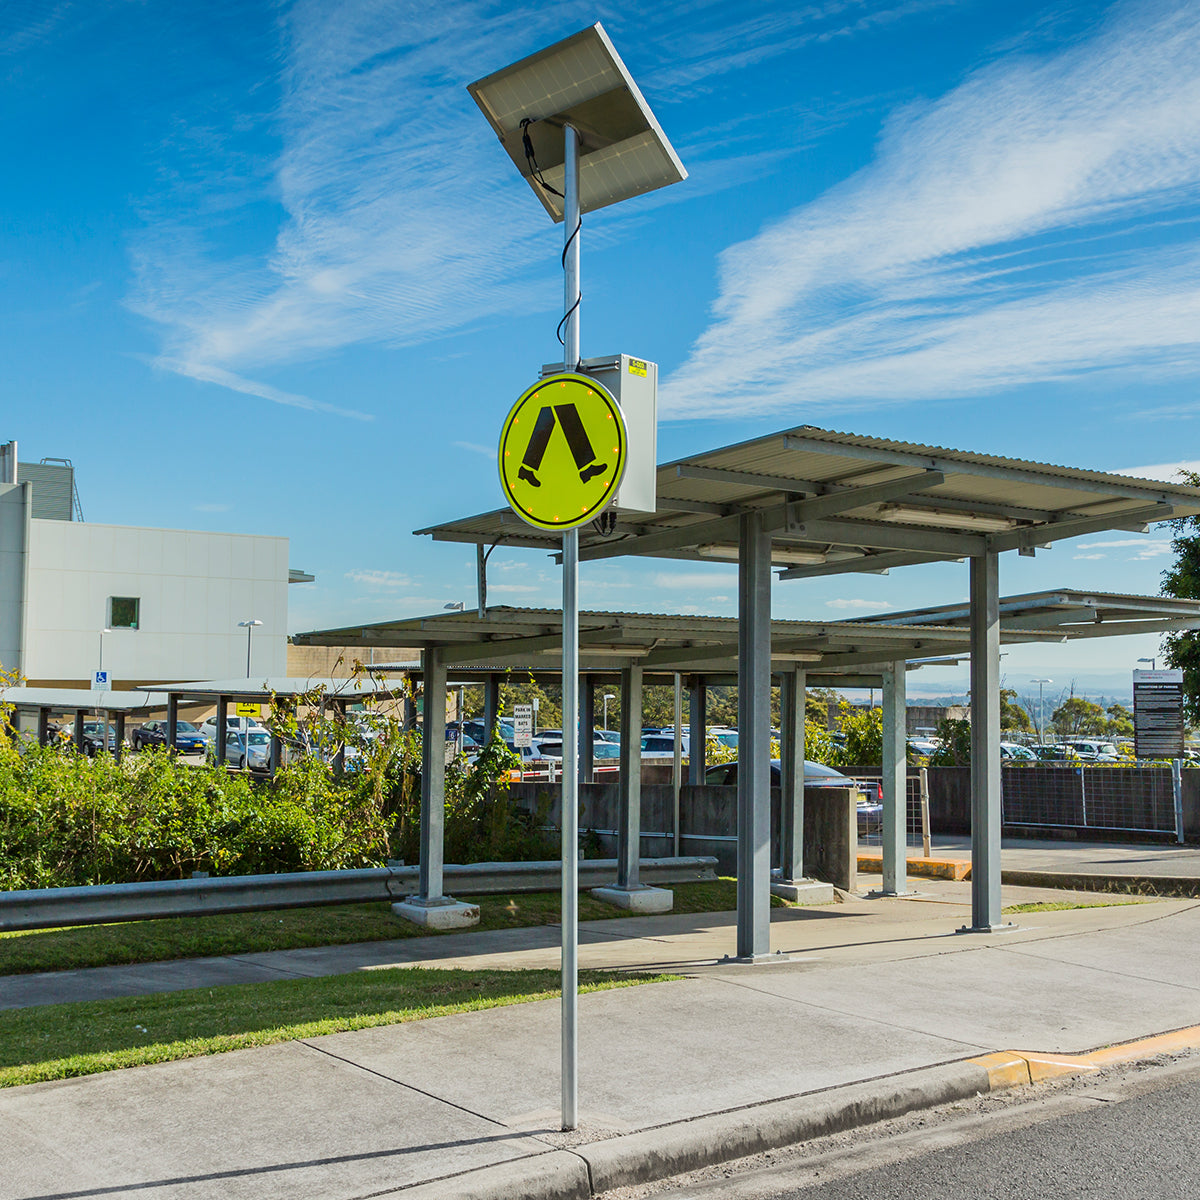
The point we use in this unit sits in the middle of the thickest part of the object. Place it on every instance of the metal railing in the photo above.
(48, 908)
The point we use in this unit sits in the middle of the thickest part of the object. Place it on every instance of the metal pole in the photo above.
(1177, 794)
(249, 631)
(895, 782)
(986, 910)
(677, 757)
(629, 805)
(754, 739)
(570, 668)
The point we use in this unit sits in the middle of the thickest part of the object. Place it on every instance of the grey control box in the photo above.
(633, 383)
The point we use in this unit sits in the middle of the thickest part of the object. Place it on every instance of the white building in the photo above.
(159, 605)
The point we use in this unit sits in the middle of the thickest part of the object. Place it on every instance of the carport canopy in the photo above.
(78, 702)
(819, 502)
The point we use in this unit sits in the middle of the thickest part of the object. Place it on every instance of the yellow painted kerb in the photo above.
(1014, 1068)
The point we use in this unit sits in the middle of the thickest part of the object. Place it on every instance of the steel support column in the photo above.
(587, 728)
(119, 736)
(895, 781)
(172, 721)
(629, 816)
(221, 733)
(697, 728)
(43, 726)
(77, 734)
(433, 774)
(985, 743)
(491, 706)
(792, 697)
(754, 739)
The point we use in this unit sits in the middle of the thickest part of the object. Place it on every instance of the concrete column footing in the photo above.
(442, 913)
(637, 899)
(750, 960)
(804, 891)
(1007, 927)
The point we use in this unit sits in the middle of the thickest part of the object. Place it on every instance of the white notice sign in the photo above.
(522, 725)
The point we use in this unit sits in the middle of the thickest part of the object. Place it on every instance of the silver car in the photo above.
(236, 750)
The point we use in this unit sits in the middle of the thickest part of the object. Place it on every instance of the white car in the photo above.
(662, 745)
(208, 729)
(237, 752)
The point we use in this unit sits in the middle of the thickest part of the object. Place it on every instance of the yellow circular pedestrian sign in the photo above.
(562, 452)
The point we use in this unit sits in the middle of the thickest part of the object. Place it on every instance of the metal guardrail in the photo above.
(49, 908)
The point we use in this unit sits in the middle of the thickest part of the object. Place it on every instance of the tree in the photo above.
(1182, 579)
(1012, 714)
(954, 744)
(1120, 721)
(1075, 716)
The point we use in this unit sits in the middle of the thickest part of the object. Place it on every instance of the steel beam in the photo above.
(1057, 531)
(754, 740)
(433, 775)
(629, 817)
(895, 781)
(985, 744)
(950, 466)
(873, 564)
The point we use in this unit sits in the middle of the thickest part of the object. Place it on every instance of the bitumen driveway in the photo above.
(867, 991)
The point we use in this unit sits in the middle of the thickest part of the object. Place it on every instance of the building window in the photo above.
(123, 612)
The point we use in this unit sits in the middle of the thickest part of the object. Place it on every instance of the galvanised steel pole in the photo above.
(570, 672)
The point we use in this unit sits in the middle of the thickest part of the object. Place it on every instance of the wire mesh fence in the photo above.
(870, 816)
(1137, 799)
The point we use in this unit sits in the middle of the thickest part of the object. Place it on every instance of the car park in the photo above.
(188, 739)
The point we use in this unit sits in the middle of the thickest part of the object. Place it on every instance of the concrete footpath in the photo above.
(878, 1008)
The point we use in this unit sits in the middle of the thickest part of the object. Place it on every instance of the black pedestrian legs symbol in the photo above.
(577, 440)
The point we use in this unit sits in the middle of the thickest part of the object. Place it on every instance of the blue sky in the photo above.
(265, 268)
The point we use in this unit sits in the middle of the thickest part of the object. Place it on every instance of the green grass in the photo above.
(1062, 905)
(62, 1040)
(290, 929)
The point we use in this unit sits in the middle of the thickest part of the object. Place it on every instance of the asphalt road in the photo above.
(1130, 1134)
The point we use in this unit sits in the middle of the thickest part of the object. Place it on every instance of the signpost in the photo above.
(1158, 725)
(580, 132)
(522, 725)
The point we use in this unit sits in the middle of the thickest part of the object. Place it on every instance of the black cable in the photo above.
(531, 158)
(566, 317)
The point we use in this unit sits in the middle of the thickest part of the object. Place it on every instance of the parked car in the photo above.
(1014, 752)
(93, 738)
(188, 739)
(1094, 750)
(1056, 754)
(662, 745)
(236, 750)
(870, 806)
(208, 728)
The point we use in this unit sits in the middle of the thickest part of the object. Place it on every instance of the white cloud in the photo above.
(858, 605)
(1146, 549)
(507, 588)
(1090, 556)
(696, 580)
(1165, 472)
(475, 448)
(380, 580)
(954, 264)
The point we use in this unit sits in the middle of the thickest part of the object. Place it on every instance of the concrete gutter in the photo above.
(667, 1150)
(1181, 886)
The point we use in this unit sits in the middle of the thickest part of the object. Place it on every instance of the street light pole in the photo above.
(248, 626)
(607, 698)
(1041, 711)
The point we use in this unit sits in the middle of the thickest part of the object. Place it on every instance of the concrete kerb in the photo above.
(668, 1150)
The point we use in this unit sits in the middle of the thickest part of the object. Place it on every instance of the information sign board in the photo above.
(522, 725)
(247, 710)
(101, 681)
(1158, 714)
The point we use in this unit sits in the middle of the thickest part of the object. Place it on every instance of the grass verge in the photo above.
(63, 1040)
(1062, 905)
(291, 929)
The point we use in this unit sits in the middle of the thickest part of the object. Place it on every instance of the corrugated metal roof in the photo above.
(917, 503)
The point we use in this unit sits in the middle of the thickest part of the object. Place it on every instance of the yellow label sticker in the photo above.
(562, 452)
(637, 367)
